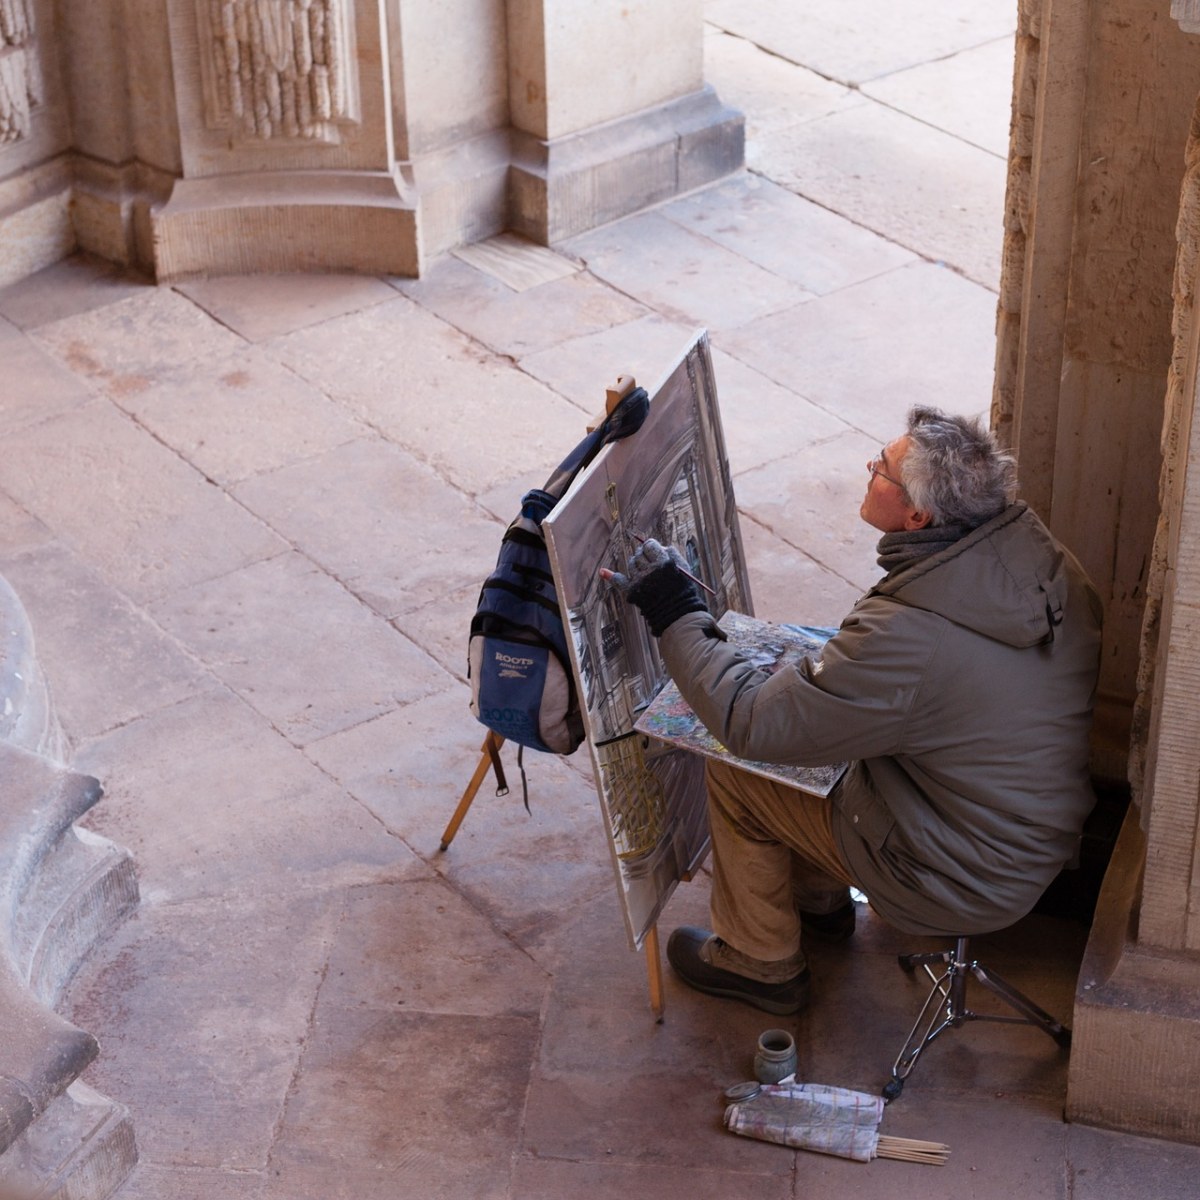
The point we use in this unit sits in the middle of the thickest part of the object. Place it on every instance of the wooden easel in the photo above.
(490, 758)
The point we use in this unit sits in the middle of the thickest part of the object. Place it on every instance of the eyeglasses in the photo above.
(873, 467)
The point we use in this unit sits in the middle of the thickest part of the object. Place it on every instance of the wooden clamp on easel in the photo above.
(490, 757)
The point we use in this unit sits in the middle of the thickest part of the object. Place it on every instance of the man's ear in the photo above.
(918, 519)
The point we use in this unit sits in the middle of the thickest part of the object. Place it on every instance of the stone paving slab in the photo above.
(926, 190)
(109, 662)
(879, 38)
(260, 307)
(995, 1150)
(164, 528)
(536, 1179)
(814, 504)
(240, 416)
(769, 90)
(19, 529)
(678, 273)
(788, 585)
(121, 347)
(36, 386)
(450, 959)
(205, 1064)
(394, 1103)
(518, 323)
(411, 767)
(582, 367)
(441, 626)
(75, 285)
(152, 1182)
(968, 94)
(299, 648)
(397, 537)
(1115, 1166)
(212, 802)
(762, 421)
(786, 234)
(917, 335)
(428, 388)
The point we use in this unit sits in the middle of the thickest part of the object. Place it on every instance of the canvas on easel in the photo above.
(669, 481)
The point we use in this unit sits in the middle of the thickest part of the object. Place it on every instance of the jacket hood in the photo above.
(1006, 580)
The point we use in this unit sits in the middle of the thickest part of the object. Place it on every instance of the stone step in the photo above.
(81, 1148)
(62, 889)
(86, 886)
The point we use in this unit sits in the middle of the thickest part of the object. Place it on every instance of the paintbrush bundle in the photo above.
(831, 1120)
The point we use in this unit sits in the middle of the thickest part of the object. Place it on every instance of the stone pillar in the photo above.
(610, 111)
(1096, 329)
(1137, 1015)
(449, 73)
(116, 65)
(1084, 334)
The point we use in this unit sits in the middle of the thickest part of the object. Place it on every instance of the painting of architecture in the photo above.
(669, 481)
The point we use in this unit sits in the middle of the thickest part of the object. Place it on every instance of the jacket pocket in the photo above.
(867, 816)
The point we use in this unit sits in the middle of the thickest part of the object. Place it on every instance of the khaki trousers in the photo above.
(774, 855)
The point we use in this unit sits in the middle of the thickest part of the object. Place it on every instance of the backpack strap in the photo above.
(626, 418)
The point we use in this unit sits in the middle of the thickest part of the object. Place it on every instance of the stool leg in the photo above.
(944, 1007)
(1033, 1015)
(950, 987)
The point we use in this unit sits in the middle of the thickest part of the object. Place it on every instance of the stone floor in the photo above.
(249, 518)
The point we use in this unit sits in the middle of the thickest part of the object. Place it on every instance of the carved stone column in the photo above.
(285, 131)
(35, 226)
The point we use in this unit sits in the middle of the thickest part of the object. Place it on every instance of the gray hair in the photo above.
(954, 470)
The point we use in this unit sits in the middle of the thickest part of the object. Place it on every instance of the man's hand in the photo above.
(658, 584)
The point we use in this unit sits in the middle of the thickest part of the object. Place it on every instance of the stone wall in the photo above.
(209, 136)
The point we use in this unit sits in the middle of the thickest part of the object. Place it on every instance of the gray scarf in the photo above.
(902, 549)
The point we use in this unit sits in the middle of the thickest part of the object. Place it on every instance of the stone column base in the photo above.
(35, 220)
(1135, 1053)
(286, 221)
(569, 185)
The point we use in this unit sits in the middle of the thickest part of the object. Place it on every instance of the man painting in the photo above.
(960, 690)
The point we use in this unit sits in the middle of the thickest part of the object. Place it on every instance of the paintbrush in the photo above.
(682, 570)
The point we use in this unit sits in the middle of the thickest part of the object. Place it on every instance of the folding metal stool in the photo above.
(946, 1007)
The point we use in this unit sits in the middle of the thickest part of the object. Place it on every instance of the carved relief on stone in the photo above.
(277, 69)
(1187, 13)
(20, 78)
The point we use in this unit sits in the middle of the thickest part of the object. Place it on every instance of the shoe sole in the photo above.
(774, 1007)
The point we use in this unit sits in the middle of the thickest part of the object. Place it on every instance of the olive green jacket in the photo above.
(960, 690)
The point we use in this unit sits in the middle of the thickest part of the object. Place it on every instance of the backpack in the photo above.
(522, 686)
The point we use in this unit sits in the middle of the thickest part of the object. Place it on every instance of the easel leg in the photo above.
(491, 747)
(654, 971)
